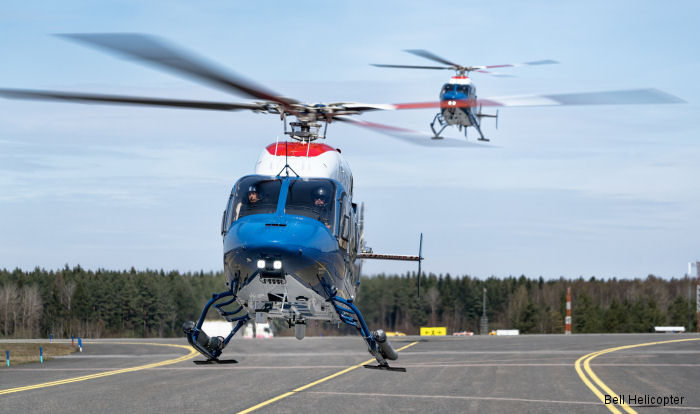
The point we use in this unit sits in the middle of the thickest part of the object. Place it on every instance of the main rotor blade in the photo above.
(358, 107)
(496, 74)
(124, 100)
(407, 135)
(620, 97)
(481, 69)
(433, 104)
(512, 65)
(411, 66)
(431, 56)
(156, 52)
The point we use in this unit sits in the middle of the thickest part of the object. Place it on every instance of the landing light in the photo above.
(277, 264)
(261, 264)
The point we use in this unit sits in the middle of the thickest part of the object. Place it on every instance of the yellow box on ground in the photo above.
(433, 331)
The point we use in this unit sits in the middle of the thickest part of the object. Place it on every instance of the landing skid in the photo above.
(475, 124)
(443, 124)
(385, 368)
(216, 361)
(212, 347)
(377, 343)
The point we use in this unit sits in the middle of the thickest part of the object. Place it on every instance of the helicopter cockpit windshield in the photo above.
(456, 88)
(314, 199)
(463, 89)
(255, 195)
(448, 87)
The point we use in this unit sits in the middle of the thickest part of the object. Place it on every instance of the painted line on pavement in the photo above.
(303, 367)
(586, 361)
(311, 384)
(451, 397)
(191, 355)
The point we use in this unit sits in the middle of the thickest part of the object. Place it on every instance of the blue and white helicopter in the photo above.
(460, 107)
(292, 233)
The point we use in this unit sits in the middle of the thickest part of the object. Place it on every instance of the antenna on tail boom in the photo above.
(420, 260)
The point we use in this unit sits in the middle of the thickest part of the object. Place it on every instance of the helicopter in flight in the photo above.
(293, 236)
(460, 107)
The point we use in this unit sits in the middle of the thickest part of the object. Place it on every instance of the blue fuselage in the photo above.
(308, 249)
(451, 96)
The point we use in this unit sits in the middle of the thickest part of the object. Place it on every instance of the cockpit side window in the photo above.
(254, 195)
(314, 199)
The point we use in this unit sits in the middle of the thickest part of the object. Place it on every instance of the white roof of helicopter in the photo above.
(309, 160)
(460, 80)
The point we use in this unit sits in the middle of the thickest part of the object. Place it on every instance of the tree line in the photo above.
(155, 303)
(79, 302)
(530, 305)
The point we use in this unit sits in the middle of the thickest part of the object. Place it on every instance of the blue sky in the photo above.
(570, 191)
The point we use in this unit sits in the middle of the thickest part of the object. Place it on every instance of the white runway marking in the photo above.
(130, 356)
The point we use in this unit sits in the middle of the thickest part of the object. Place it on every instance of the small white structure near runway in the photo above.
(217, 328)
(223, 328)
(506, 332)
(261, 330)
(669, 329)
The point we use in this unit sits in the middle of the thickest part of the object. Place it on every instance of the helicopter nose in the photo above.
(295, 245)
(452, 95)
(290, 235)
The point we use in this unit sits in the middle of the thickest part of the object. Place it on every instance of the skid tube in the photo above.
(212, 347)
(377, 344)
(443, 124)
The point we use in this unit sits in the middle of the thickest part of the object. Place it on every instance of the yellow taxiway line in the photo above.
(311, 384)
(191, 355)
(586, 362)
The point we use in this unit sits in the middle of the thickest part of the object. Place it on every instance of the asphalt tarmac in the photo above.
(531, 373)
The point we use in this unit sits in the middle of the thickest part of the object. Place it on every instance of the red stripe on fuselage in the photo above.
(457, 103)
(298, 149)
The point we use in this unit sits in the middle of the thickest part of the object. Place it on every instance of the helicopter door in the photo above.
(345, 222)
(226, 218)
(355, 239)
(223, 223)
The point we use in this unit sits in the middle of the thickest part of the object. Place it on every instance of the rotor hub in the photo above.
(305, 131)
